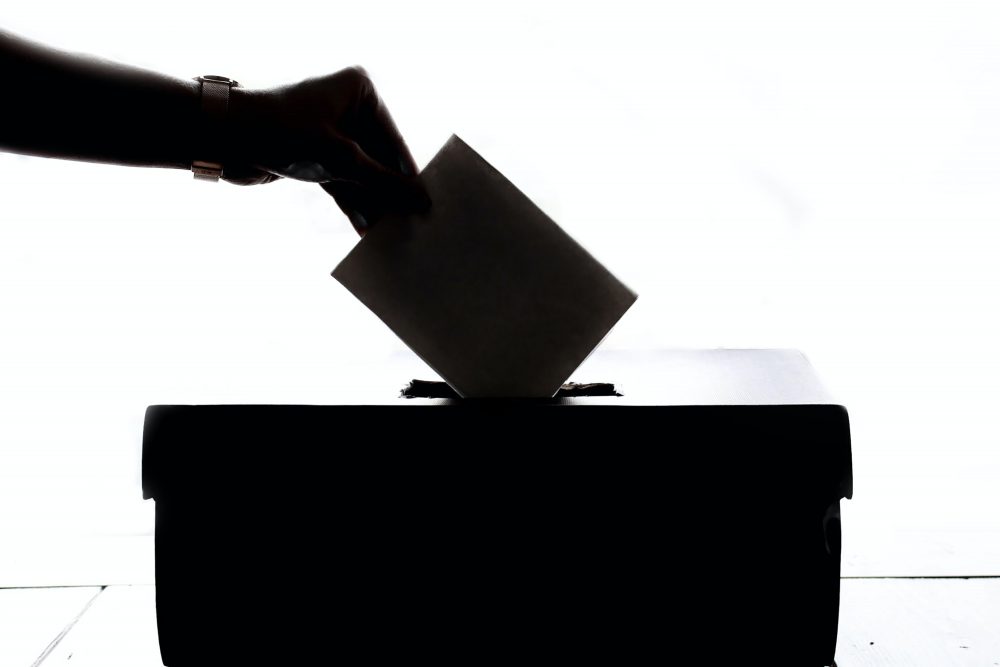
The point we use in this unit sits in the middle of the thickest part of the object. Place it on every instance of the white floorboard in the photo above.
(30, 619)
(883, 623)
(119, 630)
(919, 623)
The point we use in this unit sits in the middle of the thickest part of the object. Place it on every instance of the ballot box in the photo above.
(697, 513)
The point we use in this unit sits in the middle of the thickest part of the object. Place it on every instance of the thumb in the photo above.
(385, 188)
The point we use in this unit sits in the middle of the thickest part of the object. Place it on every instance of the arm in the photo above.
(332, 130)
(64, 105)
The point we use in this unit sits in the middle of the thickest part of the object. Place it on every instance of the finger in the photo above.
(248, 176)
(339, 159)
(387, 188)
(377, 133)
(362, 206)
(347, 198)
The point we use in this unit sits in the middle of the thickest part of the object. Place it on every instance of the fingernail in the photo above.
(405, 167)
(358, 220)
(307, 171)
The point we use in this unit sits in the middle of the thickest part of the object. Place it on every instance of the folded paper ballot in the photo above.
(485, 287)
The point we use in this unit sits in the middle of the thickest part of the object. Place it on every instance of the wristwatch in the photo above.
(211, 128)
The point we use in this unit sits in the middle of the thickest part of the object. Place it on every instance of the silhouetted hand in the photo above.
(333, 130)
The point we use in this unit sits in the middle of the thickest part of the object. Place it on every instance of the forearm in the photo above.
(64, 105)
(333, 130)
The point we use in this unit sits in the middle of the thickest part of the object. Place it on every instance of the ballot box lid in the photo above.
(764, 410)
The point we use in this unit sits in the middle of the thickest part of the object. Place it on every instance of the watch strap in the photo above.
(211, 131)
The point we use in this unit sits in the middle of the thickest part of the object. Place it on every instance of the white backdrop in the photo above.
(824, 176)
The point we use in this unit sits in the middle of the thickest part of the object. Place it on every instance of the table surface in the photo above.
(655, 377)
(884, 622)
(709, 377)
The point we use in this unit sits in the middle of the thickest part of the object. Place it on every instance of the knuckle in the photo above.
(352, 151)
(347, 157)
(358, 71)
(358, 77)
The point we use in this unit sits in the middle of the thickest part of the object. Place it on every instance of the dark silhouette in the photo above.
(332, 130)
(596, 530)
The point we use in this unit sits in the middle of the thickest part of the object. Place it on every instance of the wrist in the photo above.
(249, 112)
(211, 134)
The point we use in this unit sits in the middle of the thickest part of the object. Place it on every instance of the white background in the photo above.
(816, 175)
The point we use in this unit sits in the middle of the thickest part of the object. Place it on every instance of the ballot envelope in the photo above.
(487, 289)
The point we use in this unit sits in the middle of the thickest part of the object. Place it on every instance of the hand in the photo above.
(333, 130)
